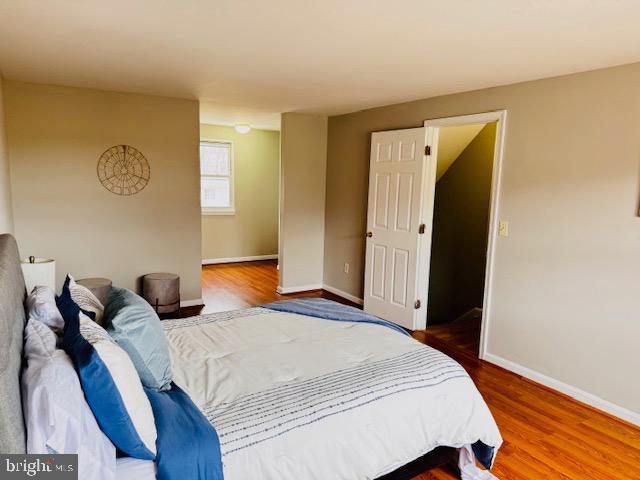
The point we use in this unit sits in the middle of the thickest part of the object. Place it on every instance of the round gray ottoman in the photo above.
(100, 287)
(162, 291)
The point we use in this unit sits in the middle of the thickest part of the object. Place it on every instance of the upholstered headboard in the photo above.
(12, 320)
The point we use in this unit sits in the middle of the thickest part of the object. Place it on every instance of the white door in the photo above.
(399, 219)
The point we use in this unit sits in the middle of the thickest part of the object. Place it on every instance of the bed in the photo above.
(294, 396)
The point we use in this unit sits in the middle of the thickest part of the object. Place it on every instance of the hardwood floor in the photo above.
(463, 335)
(547, 435)
(230, 286)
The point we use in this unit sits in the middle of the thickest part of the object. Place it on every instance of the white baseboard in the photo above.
(343, 294)
(253, 258)
(319, 286)
(300, 288)
(574, 392)
(191, 303)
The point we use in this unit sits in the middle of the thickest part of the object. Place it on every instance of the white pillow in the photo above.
(41, 306)
(85, 299)
(109, 381)
(57, 416)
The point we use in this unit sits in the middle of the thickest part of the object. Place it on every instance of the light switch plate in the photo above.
(503, 228)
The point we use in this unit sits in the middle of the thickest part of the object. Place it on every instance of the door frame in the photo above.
(500, 117)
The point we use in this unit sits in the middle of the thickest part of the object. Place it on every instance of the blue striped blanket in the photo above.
(329, 310)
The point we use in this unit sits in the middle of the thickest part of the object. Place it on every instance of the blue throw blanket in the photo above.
(187, 446)
(329, 310)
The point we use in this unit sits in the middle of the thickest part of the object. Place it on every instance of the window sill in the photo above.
(218, 212)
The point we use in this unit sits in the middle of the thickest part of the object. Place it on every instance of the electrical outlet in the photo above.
(346, 267)
(503, 228)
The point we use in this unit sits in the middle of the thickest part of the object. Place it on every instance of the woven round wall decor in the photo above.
(123, 170)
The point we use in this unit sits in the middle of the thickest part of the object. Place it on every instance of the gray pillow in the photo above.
(135, 326)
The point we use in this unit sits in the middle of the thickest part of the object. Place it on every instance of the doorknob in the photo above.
(369, 234)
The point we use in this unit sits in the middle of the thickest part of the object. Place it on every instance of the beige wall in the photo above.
(302, 199)
(451, 142)
(6, 215)
(566, 295)
(253, 230)
(460, 227)
(55, 137)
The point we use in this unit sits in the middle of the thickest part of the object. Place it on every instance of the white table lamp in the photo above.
(39, 271)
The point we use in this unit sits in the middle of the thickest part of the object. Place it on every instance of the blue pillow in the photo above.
(67, 306)
(109, 381)
(135, 326)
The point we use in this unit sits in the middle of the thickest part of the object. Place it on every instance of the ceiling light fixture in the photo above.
(243, 128)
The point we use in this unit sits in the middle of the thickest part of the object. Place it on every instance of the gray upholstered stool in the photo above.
(162, 291)
(100, 287)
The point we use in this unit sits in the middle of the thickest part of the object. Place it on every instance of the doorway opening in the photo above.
(460, 233)
(403, 172)
(239, 199)
(468, 153)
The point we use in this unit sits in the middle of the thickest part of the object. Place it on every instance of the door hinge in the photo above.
(427, 150)
(421, 228)
(417, 305)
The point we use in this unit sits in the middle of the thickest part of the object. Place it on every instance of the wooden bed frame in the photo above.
(12, 322)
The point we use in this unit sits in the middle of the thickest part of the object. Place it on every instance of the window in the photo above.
(216, 178)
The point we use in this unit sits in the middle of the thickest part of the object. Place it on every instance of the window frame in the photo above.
(230, 210)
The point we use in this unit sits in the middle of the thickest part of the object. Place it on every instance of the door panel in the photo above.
(384, 152)
(396, 185)
(381, 207)
(399, 278)
(407, 151)
(378, 265)
(404, 197)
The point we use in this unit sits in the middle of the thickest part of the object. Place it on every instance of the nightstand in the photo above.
(162, 291)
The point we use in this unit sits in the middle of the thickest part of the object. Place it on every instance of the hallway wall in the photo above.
(303, 162)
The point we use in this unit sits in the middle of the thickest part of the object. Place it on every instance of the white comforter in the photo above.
(296, 397)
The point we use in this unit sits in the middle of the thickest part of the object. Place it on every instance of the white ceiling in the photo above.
(451, 143)
(329, 56)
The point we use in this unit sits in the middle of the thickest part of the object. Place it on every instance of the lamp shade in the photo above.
(39, 271)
